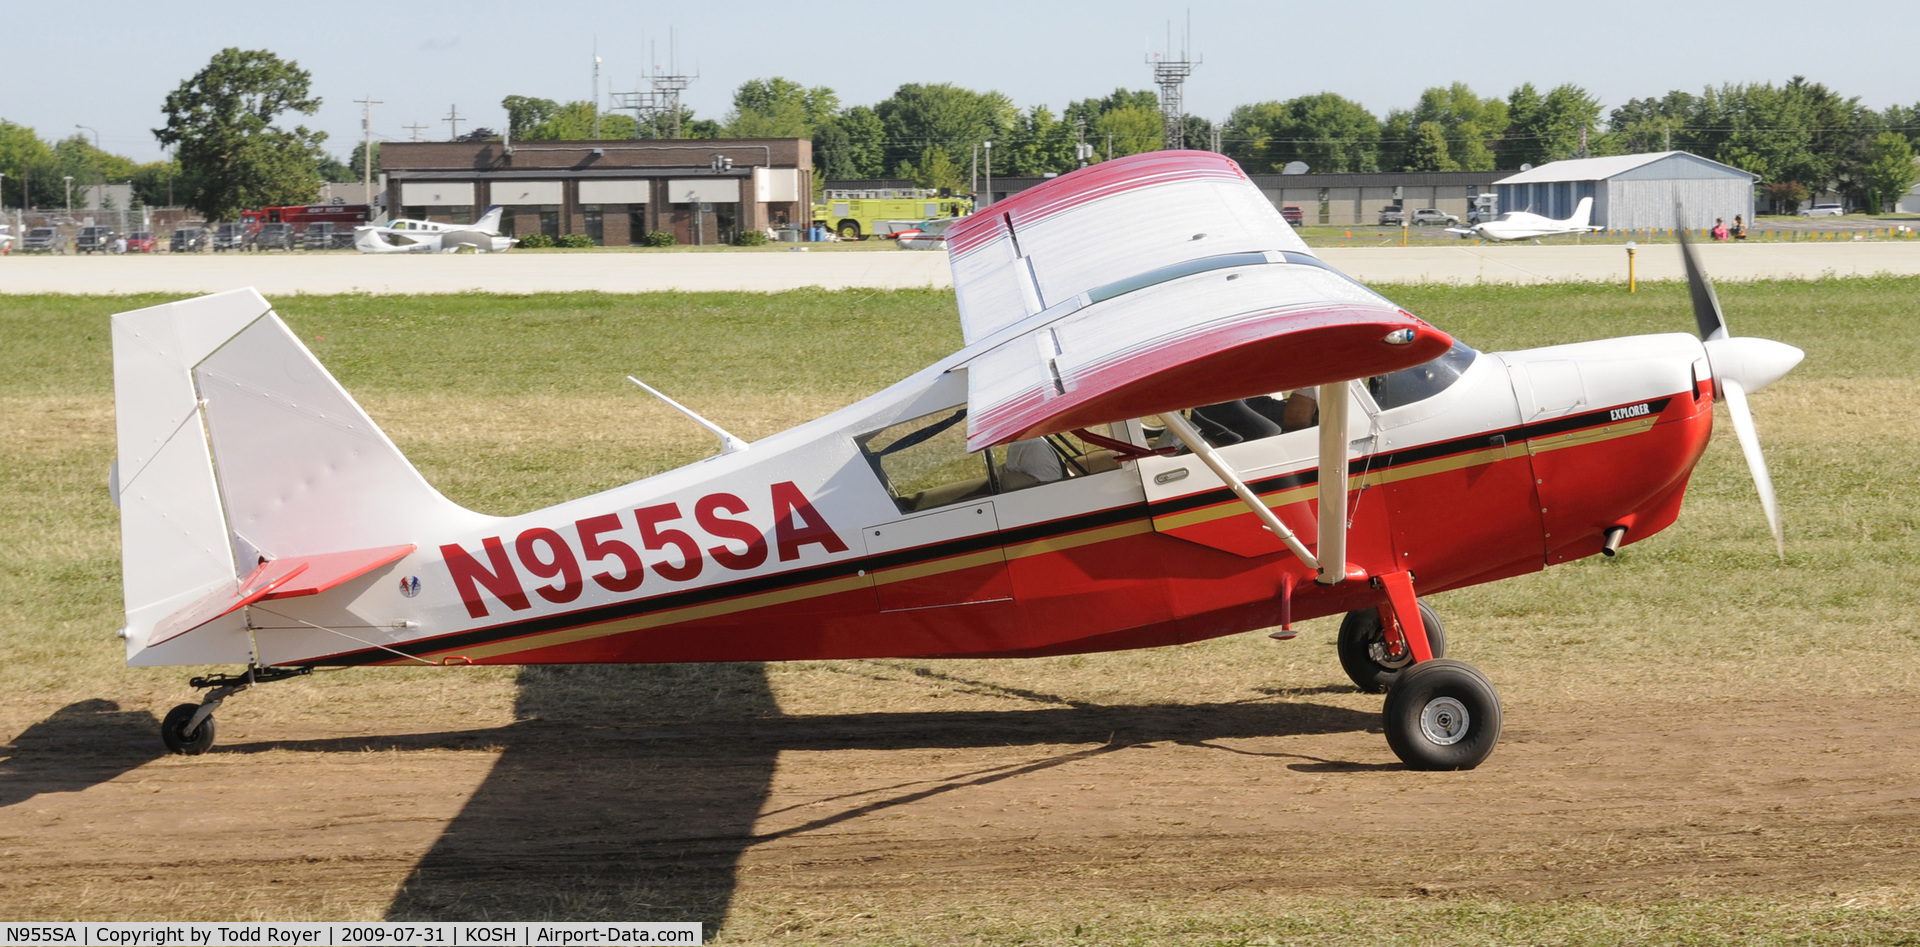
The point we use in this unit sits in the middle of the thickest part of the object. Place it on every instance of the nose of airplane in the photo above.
(1753, 363)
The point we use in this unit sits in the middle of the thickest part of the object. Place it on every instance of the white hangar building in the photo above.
(1633, 191)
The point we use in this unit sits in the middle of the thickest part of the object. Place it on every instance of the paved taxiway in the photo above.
(773, 271)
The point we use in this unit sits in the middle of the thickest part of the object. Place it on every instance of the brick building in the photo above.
(702, 191)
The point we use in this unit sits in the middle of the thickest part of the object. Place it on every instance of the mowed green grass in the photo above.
(510, 403)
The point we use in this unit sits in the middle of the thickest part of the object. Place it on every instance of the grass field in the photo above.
(511, 403)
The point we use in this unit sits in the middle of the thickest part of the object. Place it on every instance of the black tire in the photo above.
(1362, 645)
(173, 732)
(849, 230)
(1442, 715)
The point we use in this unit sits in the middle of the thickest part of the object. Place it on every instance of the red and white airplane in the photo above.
(1104, 465)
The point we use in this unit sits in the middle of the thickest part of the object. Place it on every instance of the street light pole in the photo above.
(69, 179)
(989, 146)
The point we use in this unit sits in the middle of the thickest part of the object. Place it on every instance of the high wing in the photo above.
(1218, 299)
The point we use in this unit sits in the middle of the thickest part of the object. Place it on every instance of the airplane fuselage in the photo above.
(797, 548)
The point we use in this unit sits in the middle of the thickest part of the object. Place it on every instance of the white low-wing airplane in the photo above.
(426, 236)
(1522, 225)
(1101, 466)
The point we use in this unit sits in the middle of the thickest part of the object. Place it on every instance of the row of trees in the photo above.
(1796, 137)
(232, 149)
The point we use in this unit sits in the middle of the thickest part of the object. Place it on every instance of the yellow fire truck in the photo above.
(858, 214)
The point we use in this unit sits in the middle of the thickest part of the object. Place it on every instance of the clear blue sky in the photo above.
(110, 66)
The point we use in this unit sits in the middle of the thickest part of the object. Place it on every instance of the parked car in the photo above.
(6, 238)
(327, 235)
(1293, 215)
(141, 241)
(1433, 217)
(274, 237)
(1823, 210)
(95, 240)
(188, 240)
(41, 240)
(229, 237)
(1390, 215)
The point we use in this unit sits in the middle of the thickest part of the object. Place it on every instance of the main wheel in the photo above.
(848, 230)
(1442, 715)
(1363, 647)
(173, 731)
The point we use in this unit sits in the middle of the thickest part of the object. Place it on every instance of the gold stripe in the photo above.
(656, 619)
(1370, 478)
(1040, 547)
(1541, 445)
(921, 570)
(796, 594)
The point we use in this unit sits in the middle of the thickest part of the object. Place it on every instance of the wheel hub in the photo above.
(1444, 721)
(1388, 656)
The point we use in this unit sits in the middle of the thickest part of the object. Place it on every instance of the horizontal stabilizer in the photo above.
(276, 578)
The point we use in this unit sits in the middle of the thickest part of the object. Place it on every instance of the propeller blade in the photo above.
(1706, 305)
(1736, 397)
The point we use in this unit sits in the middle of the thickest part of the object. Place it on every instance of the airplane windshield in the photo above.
(1422, 381)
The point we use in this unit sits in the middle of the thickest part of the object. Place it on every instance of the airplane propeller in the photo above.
(1741, 366)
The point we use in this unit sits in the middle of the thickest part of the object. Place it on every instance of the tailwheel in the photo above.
(179, 739)
(1442, 715)
(1372, 662)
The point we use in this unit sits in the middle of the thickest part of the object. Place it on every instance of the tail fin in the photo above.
(490, 221)
(1583, 213)
(236, 447)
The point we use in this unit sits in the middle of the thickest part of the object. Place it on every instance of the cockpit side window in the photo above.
(1422, 381)
(924, 463)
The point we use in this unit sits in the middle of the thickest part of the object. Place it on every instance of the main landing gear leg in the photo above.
(1440, 714)
(188, 729)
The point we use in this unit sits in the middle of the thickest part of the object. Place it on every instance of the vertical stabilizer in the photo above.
(238, 448)
(1582, 214)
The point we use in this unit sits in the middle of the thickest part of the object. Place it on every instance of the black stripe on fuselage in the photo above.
(961, 546)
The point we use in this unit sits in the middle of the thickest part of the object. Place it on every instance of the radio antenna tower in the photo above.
(1171, 75)
(657, 108)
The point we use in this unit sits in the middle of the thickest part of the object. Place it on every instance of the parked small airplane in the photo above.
(1522, 225)
(427, 236)
(1125, 454)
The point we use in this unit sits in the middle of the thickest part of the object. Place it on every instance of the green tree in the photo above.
(1904, 120)
(1127, 122)
(574, 121)
(32, 170)
(1890, 171)
(221, 123)
(153, 182)
(1549, 128)
(1648, 125)
(1428, 150)
(849, 146)
(779, 108)
(920, 116)
(525, 113)
(1328, 132)
(1037, 144)
(1470, 126)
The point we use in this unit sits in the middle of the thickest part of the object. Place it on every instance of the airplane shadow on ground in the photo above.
(81, 745)
(587, 817)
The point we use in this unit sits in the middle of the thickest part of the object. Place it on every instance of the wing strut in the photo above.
(1333, 482)
(1333, 470)
(1188, 435)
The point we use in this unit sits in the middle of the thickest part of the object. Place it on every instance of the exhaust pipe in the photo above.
(1614, 537)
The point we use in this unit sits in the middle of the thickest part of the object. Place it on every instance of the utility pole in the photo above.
(453, 123)
(366, 146)
(416, 128)
(1081, 150)
(989, 147)
(596, 88)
